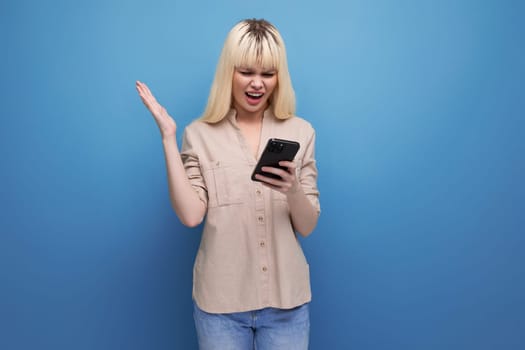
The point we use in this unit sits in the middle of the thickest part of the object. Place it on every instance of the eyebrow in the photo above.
(269, 70)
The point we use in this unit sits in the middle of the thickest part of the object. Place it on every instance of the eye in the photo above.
(268, 74)
(245, 72)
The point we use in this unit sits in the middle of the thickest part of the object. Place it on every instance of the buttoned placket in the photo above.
(260, 219)
(262, 246)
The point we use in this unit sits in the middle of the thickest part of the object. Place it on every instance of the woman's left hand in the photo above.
(288, 183)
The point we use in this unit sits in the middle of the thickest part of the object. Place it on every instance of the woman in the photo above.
(251, 283)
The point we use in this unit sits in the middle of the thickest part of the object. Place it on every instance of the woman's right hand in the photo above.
(166, 124)
(185, 201)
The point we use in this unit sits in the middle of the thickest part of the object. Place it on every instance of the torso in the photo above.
(242, 213)
(251, 131)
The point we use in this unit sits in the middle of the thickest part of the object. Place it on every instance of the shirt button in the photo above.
(264, 269)
(258, 191)
(260, 219)
(262, 244)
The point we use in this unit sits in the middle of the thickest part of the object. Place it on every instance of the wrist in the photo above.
(294, 191)
(168, 139)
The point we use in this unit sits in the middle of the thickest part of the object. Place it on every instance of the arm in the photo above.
(184, 200)
(301, 193)
(303, 214)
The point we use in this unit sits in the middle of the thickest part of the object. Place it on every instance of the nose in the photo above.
(256, 82)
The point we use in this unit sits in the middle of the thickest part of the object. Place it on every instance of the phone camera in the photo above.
(276, 147)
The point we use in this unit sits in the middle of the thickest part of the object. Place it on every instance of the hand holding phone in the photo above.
(276, 150)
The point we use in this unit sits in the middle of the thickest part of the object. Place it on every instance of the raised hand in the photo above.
(166, 124)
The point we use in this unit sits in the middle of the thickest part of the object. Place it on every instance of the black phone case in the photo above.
(275, 151)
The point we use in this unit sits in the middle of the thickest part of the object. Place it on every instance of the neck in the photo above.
(249, 118)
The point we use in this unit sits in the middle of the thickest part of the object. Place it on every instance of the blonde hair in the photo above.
(251, 42)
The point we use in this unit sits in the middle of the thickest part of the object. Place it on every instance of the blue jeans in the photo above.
(265, 329)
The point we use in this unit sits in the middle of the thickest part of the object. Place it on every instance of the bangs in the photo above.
(252, 44)
(253, 50)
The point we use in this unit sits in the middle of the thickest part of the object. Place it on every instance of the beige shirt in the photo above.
(249, 256)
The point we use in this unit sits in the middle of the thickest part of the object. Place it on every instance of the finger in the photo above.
(290, 165)
(274, 184)
(140, 86)
(265, 184)
(270, 180)
(276, 171)
(143, 94)
(142, 90)
(145, 91)
(148, 99)
(150, 105)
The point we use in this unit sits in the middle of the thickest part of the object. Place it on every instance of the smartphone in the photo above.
(275, 151)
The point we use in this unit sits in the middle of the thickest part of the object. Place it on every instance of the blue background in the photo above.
(418, 107)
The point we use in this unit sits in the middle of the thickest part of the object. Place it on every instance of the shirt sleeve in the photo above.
(190, 159)
(308, 173)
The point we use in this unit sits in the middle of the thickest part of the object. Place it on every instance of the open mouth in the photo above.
(254, 95)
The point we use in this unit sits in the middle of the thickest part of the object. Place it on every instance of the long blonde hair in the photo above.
(251, 42)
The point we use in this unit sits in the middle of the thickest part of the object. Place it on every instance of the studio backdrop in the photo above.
(419, 113)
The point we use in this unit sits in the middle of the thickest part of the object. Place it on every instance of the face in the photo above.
(251, 89)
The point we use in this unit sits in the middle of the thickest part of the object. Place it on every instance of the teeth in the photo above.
(254, 94)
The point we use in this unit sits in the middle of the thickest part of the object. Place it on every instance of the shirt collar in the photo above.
(232, 114)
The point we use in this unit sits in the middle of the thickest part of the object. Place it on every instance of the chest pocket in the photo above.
(227, 183)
